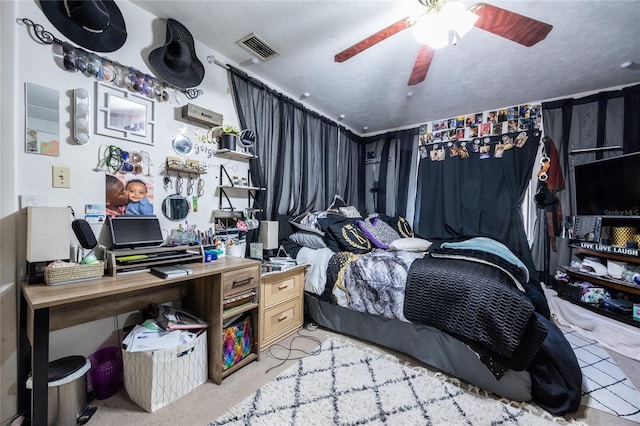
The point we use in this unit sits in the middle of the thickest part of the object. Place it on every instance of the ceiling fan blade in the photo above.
(376, 38)
(510, 25)
(422, 64)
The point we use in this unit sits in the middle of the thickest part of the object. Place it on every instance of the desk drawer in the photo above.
(282, 317)
(240, 280)
(281, 290)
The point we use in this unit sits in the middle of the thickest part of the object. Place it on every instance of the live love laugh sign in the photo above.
(610, 249)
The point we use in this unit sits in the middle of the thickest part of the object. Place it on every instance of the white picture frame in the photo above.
(124, 115)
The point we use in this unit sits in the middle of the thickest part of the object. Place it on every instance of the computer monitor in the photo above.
(135, 231)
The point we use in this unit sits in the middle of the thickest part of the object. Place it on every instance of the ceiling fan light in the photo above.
(432, 31)
(457, 17)
(444, 25)
(464, 22)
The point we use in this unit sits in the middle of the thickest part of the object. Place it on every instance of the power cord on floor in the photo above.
(311, 326)
(290, 349)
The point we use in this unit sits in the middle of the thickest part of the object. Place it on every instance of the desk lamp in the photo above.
(269, 235)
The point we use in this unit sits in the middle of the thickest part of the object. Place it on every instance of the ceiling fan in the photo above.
(504, 23)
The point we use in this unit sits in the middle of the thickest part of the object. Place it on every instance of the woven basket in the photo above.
(68, 274)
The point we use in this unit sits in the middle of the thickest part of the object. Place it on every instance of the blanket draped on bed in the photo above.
(478, 303)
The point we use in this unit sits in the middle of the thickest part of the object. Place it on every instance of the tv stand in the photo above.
(140, 259)
(618, 288)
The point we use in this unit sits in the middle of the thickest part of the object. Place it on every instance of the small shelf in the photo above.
(234, 155)
(230, 186)
(187, 170)
(613, 283)
(228, 313)
(246, 188)
(156, 256)
(190, 166)
(609, 252)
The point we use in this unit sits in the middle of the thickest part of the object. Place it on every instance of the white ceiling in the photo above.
(583, 53)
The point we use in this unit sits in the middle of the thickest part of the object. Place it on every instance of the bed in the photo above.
(466, 307)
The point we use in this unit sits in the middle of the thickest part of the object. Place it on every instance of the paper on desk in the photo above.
(143, 338)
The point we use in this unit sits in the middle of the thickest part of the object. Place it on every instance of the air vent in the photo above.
(256, 45)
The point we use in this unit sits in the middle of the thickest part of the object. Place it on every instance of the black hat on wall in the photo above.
(93, 24)
(176, 61)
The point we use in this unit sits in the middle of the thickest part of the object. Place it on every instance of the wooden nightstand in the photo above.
(281, 305)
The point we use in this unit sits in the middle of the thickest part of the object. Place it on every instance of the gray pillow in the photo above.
(308, 222)
(308, 239)
(378, 231)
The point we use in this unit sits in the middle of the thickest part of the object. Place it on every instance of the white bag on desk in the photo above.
(154, 379)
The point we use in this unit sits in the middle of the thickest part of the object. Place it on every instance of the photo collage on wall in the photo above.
(478, 133)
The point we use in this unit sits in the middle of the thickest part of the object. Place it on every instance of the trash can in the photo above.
(67, 395)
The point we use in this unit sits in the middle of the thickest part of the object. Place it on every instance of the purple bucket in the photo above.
(106, 372)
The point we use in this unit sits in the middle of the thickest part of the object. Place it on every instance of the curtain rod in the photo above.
(213, 60)
(597, 149)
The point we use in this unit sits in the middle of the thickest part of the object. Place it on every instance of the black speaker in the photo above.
(84, 233)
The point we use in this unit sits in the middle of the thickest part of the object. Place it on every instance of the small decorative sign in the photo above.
(610, 249)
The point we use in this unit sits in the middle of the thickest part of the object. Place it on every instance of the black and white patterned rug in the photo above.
(605, 386)
(345, 385)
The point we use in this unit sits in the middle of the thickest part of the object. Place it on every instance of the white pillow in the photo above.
(410, 244)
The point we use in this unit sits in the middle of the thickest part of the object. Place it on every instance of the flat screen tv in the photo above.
(609, 187)
(135, 231)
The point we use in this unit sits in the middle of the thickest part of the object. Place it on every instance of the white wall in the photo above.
(25, 60)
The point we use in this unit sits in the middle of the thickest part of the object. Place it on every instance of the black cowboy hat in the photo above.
(93, 24)
(176, 61)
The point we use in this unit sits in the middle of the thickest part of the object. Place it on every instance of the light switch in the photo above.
(61, 177)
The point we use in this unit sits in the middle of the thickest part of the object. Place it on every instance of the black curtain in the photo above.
(303, 159)
(467, 197)
(392, 178)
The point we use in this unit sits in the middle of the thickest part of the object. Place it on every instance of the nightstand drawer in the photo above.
(240, 280)
(280, 290)
(282, 318)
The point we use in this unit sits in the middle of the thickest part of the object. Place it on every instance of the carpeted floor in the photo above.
(210, 401)
(345, 385)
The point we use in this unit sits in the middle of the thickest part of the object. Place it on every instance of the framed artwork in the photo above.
(124, 115)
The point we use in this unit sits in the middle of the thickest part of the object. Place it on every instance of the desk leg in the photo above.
(24, 360)
(40, 367)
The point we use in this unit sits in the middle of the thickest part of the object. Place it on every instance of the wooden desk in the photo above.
(44, 308)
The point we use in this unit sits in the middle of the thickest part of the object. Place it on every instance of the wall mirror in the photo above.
(42, 120)
(175, 207)
(124, 115)
(182, 145)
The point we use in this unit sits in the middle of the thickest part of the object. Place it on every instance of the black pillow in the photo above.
(400, 224)
(333, 218)
(347, 236)
(326, 222)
